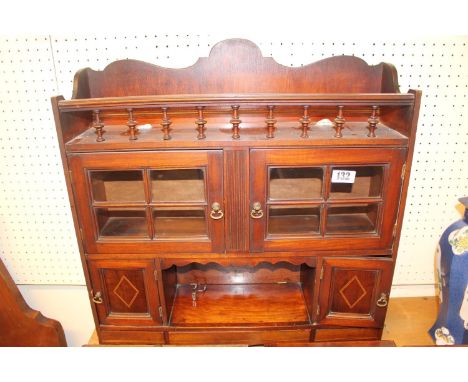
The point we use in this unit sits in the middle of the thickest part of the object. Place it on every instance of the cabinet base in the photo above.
(244, 337)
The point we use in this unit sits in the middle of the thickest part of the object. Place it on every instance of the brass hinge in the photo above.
(321, 272)
(395, 229)
(160, 312)
(71, 175)
(156, 275)
(318, 310)
(403, 171)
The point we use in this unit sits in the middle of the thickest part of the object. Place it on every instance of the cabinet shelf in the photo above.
(241, 304)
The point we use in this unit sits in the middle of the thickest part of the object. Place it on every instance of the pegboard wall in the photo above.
(37, 239)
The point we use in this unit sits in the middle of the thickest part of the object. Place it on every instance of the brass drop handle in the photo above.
(216, 211)
(256, 212)
(97, 298)
(382, 302)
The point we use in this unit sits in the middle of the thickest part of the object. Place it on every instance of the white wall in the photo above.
(68, 304)
(37, 240)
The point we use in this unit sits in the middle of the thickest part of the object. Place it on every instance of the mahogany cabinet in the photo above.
(238, 201)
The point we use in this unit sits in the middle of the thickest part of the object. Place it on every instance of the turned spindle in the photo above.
(339, 122)
(131, 123)
(200, 122)
(373, 121)
(270, 122)
(305, 120)
(166, 123)
(235, 121)
(98, 125)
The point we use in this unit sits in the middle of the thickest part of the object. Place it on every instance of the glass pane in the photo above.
(367, 182)
(117, 186)
(293, 220)
(180, 222)
(184, 185)
(122, 222)
(352, 219)
(295, 183)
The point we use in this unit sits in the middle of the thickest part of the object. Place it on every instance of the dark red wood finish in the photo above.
(355, 291)
(286, 264)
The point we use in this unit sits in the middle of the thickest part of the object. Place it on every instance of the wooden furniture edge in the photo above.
(19, 324)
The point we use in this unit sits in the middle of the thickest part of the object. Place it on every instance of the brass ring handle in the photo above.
(97, 299)
(256, 212)
(382, 302)
(216, 211)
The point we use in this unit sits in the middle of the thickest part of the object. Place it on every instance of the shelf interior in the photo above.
(240, 304)
(262, 294)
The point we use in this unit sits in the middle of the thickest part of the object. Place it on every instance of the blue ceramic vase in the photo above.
(451, 326)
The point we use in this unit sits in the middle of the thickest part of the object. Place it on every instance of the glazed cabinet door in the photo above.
(143, 202)
(354, 292)
(125, 292)
(332, 199)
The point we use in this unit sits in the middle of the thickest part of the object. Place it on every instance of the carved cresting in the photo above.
(227, 64)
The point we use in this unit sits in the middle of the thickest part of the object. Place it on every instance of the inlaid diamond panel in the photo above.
(126, 291)
(353, 292)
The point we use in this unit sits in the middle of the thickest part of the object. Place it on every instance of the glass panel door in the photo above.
(142, 202)
(312, 198)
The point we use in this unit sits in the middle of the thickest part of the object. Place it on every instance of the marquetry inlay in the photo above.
(126, 291)
(350, 287)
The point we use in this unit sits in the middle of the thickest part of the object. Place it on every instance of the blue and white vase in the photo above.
(451, 326)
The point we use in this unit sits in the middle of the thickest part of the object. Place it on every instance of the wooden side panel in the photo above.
(19, 324)
(236, 191)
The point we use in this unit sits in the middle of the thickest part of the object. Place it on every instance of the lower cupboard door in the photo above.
(125, 292)
(354, 292)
